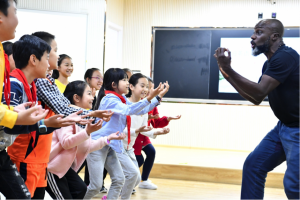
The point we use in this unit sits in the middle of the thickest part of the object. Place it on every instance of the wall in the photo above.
(211, 126)
(141, 15)
(95, 28)
(115, 11)
(114, 34)
(203, 125)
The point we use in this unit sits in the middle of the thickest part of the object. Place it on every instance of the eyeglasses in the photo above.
(98, 78)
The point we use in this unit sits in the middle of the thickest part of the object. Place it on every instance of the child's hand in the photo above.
(31, 116)
(143, 129)
(174, 118)
(103, 114)
(165, 90)
(163, 131)
(116, 136)
(154, 92)
(150, 116)
(57, 121)
(22, 107)
(90, 128)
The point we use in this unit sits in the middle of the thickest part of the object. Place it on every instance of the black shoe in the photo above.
(103, 190)
(133, 191)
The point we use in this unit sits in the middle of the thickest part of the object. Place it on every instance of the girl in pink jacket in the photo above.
(70, 146)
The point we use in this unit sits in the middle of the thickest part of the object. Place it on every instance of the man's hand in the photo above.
(143, 129)
(150, 116)
(116, 136)
(174, 118)
(103, 114)
(31, 116)
(90, 128)
(165, 90)
(57, 121)
(163, 131)
(223, 60)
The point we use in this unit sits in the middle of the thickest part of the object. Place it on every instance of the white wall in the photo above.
(94, 9)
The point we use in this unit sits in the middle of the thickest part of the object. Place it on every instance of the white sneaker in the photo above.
(147, 185)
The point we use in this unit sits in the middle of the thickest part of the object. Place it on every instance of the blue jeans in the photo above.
(279, 145)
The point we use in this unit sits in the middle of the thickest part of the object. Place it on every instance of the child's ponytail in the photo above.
(55, 74)
(101, 94)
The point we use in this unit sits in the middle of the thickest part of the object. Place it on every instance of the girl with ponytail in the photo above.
(113, 157)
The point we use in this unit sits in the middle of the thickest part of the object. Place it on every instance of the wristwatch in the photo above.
(42, 126)
(158, 98)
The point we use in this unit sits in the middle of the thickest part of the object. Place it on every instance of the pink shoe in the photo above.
(104, 197)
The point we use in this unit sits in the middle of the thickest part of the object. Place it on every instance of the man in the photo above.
(280, 81)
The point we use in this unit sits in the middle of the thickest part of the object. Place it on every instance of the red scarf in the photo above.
(31, 93)
(7, 80)
(128, 118)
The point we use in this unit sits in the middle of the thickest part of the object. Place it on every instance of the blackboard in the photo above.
(183, 58)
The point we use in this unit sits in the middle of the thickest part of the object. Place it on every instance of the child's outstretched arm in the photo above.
(164, 88)
(102, 141)
(59, 104)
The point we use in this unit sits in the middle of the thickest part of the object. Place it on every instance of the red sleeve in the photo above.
(160, 122)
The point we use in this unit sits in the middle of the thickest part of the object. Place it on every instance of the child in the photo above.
(115, 84)
(64, 71)
(143, 143)
(128, 72)
(71, 145)
(49, 94)
(94, 78)
(7, 46)
(138, 89)
(27, 151)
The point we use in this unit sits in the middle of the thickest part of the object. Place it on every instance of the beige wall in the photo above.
(141, 15)
(114, 11)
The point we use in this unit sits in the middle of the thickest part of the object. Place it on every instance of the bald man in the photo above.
(280, 82)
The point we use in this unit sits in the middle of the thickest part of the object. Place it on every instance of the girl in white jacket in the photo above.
(138, 90)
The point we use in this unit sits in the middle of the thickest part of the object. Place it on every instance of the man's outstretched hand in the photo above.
(223, 60)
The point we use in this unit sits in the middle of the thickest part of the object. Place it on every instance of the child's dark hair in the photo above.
(127, 70)
(55, 73)
(89, 73)
(7, 46)
(47, 37)
(4, 4)
(110, 76)
(150, 79)
(28, 45)
(75, 87)
(134, 79)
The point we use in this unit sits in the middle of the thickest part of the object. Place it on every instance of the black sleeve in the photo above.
(16, 130)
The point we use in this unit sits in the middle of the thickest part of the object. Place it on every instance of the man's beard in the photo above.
(262, 48)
